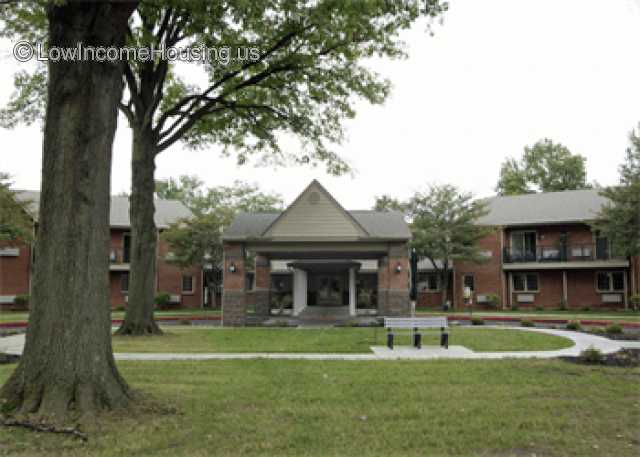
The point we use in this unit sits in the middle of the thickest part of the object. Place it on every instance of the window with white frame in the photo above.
(610, 281)
(187, 284)
(526, 282)
(428, 282)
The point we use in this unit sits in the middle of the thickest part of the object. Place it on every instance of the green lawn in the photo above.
(292, 408)
(21, 316)
(327, 340)
(629, 316)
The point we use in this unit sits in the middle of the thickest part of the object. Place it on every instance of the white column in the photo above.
(299, 291)
(352, 291)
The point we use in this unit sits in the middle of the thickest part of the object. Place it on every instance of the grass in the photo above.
(628, 316)
(327, 340)
(22, 316)
(291, 408)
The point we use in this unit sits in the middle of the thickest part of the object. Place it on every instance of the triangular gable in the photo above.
(315, 214)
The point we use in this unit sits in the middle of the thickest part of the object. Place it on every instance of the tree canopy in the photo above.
(545, 167)
(444, 226)
(197, 240)
(15, 222)
(619, 220)
(389, 203)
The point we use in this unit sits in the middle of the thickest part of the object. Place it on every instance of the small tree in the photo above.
(197, 240)
(619, 220)
(545, 167)
(445, 228)
(15, 222)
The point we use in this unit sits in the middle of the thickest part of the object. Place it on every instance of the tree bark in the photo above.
(67, 365)
(139, 318)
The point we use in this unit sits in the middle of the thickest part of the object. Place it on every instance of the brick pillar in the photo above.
(234, 300)
(262, 288)
(393, 285)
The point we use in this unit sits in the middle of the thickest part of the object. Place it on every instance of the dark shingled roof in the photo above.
(167, 211)
(544, 208)
(379, 224)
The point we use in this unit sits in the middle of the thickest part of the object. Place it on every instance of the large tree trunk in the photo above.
(444, 279)
(142, 285)
(67, 364)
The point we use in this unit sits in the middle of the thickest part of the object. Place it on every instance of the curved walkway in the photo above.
(15, 343)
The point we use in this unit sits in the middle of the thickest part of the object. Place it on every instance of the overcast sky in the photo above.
(497, 75)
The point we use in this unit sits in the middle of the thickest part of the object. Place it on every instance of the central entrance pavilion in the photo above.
(315, 259)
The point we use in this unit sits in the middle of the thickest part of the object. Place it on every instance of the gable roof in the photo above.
(322, 218)
(167, 211)
(315, 212)
(544, 208)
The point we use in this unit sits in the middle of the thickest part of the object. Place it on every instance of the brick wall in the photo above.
(234, 297)
(488, 276)
(14, 271)
(169, 279)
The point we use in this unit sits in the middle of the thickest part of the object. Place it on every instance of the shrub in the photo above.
(614, 329)
(635, 302)
(539, 308)
(493, 301)
(597, 331)
(185, 322)
(162, 299)
(514, 307)
(21, 301)
(574, 325)
(586, 308)
(591, 355)
(477, 321)
(526, 323)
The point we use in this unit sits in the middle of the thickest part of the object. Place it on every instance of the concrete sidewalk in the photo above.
(15, 343)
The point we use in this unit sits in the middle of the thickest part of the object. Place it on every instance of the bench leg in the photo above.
(444, 339)
(390, 339)
(417, 339)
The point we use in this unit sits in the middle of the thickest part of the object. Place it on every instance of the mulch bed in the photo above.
(628, 358)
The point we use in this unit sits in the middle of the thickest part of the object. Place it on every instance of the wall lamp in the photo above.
(398, 268)
(232, 268)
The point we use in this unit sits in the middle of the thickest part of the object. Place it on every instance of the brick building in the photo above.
(542, 252)
(315, 255)
(185, 286)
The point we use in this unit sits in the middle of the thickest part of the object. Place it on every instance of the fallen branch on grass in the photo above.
(46, 428)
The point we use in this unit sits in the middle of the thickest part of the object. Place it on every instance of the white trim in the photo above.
(526, 286)
(184, 291)
(610, 274)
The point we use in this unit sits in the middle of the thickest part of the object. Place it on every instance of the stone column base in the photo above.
(259, 299)
(393, 302)
(234, 308)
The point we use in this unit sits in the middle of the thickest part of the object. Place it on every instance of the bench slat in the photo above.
(415, 322)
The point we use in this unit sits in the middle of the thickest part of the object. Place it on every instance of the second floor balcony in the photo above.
(561, 253)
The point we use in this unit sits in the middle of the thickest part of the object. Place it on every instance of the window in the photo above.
(126, 248)
(187, 284)
(428, 282)
(469, 281)
(124, 282)
(525, 282)
(602, 247)
(610, 281)
(523, 246)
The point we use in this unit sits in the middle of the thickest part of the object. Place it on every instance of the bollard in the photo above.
(444, 338)
(417, 339)
(390, 339)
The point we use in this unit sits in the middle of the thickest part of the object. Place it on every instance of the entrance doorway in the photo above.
(329, 289)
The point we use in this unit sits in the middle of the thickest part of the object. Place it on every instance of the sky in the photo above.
(496, 76)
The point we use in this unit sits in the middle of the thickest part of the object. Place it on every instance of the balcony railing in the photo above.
(559, 253)
(118, 256)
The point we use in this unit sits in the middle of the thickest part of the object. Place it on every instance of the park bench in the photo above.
(415, 324)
